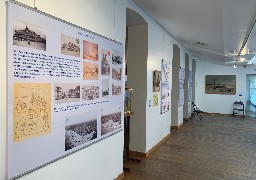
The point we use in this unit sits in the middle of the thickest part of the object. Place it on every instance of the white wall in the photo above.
(3, 115)
(214, 103)
(137, 62)
(159, 47)
(103, 160)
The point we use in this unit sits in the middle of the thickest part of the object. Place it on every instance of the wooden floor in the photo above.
(217, 148)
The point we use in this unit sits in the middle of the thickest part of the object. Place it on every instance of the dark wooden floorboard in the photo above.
(217, 148)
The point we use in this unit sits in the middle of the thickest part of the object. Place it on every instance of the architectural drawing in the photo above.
(31, 110)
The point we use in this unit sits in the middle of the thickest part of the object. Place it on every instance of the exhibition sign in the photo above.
(65, 88)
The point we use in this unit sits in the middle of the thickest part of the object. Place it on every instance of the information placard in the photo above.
(65, 88)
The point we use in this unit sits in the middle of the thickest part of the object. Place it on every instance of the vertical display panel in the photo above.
(65, 88)
(181, 86)
(165, 86)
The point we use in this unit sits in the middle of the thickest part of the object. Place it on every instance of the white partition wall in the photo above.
(109, 21)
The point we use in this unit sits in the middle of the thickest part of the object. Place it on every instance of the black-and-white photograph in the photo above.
(105, 62)
(70, 46)
(117, 74)
(117, 58)
(28, 35)
(80, 129)
(90, 92)
(110, 119)
(105, 87)
(66, 92)
(116, 90)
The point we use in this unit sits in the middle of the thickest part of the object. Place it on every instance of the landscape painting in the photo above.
(220, 84)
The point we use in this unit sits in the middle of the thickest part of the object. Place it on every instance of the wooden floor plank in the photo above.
(219, 147)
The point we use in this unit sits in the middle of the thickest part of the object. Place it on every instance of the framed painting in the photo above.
(220, 84)
(156, 80)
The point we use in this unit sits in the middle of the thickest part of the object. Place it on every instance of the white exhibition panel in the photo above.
(165, 86)
(65, 89)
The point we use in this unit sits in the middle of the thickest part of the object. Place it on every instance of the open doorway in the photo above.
(250, 108)
(136, 76)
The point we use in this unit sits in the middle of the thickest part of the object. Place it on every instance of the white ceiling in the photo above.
(221, 24)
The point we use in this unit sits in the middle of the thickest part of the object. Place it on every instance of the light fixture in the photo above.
(242, 59)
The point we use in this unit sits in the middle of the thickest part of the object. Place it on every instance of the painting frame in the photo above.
(220, 84)
(156, 80)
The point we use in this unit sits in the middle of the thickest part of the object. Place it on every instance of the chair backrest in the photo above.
(238, 102)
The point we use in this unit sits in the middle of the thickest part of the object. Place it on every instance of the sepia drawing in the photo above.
(28, 35)
(90, 51)
(110, 119)
(105, 62)
(79, 129)
(70, 46)
(66, 92)
(117, 74)
(31, 110)
(90, 71)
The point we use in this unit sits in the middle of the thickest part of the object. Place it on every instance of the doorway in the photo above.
(250, 108)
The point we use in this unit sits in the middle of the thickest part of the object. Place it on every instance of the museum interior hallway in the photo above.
(219, 147)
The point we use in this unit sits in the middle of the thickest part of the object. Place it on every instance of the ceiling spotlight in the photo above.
(242, 59)
(234, 66)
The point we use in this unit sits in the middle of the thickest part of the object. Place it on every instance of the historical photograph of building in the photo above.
(116, 90)
(66, 92)
(28, 35)
(110, 119)
(90, 71)
(90, 92)
(105, 62)
(117, 74)
(105, 87)
(117, 58)
(90, 51)
(80, 129)
(70, 46)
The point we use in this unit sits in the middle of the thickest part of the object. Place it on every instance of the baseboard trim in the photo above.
(120, 176)
(177, 127)
(219, 114)
(145, 155)
(185, 119)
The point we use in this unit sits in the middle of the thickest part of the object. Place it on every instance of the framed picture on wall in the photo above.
(220, 84)
(156, 80)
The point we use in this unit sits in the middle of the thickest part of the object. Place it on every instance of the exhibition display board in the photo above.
(65, 88)
(165, 86)
(181, 86)
(190, 86)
